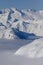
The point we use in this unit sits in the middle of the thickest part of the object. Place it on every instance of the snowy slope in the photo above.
(32, 50)
(8, 58)
(27, 21)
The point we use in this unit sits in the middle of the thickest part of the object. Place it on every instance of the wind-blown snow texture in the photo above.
(23, 28)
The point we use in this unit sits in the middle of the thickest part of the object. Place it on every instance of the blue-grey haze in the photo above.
(22, 4)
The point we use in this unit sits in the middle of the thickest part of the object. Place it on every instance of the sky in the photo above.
(22, 4)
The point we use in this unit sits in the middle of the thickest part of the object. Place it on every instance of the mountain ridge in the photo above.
(29, 21)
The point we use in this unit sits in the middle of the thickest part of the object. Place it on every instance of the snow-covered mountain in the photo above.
(24, 24)
(26, 27)
(32, 50)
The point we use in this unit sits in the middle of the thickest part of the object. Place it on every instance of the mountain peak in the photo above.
(28, 21)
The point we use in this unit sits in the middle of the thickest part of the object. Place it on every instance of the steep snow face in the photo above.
(28, 21)
(34, 49)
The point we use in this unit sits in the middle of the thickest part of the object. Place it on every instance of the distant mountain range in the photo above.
(23, 24)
